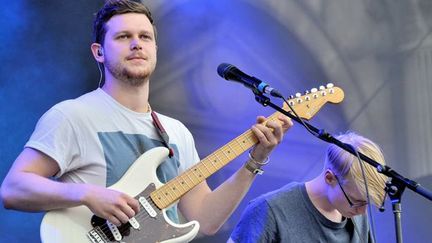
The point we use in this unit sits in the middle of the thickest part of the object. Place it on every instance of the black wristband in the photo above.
(253, 168)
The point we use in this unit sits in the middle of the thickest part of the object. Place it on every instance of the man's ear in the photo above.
(329, 177)
(97, 52)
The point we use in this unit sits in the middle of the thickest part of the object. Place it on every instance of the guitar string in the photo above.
(105, 228)
(228, 147)
(143, 214)
(272, 117)
(213, 156)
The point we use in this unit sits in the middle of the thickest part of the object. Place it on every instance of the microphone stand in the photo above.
(396, 184)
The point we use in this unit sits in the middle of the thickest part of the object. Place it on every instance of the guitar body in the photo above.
(73, 224)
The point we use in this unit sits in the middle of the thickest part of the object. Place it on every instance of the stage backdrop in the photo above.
(379, 52)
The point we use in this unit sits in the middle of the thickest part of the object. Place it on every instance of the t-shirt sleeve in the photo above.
(257, 224)
(54, 136)
(189, 151)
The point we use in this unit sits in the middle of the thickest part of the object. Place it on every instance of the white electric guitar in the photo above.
(151, 224)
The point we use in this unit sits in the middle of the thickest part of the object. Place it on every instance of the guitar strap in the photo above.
(162, 133)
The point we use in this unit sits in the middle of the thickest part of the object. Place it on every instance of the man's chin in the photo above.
(135, 81)
(137, 74)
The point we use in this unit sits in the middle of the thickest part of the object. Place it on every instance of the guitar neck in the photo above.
(306, 107)
(177, 187)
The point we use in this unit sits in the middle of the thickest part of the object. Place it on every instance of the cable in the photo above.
(371, 221)
(100, 73)
(357, 231)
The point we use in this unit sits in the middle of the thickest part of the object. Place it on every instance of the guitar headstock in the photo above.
(308, 104)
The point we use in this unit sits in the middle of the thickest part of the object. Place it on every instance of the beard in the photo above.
(124, 74)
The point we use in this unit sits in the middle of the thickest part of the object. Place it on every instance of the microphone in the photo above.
(230, 72)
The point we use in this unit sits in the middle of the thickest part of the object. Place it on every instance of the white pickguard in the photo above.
(72, 224)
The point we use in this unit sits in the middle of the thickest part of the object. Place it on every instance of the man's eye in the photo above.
(122, 37)
(147, 37)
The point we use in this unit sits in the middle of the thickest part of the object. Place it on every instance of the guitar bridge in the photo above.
(95, 236)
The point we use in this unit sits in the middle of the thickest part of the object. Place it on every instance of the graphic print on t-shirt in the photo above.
(121, 150)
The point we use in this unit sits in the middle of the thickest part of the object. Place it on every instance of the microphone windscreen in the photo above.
(224, 70)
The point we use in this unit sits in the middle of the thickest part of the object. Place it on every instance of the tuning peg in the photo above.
(306, 92)
(330, 85)
(291, 97)
(298, 95)
(314, 90)
(321, 87)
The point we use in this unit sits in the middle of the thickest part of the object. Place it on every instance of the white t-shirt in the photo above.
(94, 139)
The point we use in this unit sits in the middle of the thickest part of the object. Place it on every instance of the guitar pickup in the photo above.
(146, 205)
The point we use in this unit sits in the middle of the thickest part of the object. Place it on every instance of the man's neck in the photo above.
(317, 192)
(134, 98)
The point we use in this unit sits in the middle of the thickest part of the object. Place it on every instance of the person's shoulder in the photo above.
(290, 188)
(282, 194)
(77, 106)
(170, 121)
(271, 194)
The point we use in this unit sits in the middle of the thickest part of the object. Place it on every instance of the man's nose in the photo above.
(135, 44)
(361, 210)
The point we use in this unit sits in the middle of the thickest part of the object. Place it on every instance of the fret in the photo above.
(213, 161)
(201, 172)
(237, 147)
(161, 198)
(180, 185)
(232, 149)
(174, 189)
(249, 138)
(167, 191)
(223, 152)
(184, 183)
(218, 159)
(167, 194)
(243, 142)
(205, 162)
(240, 144)
(191, 179)
(194, 172)
(155, 198)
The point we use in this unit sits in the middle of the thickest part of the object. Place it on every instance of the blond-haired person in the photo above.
(329, 208)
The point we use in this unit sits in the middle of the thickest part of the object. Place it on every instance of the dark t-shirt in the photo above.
(288, 215)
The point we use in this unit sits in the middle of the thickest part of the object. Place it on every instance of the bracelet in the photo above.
(257, 162)
(253, 168)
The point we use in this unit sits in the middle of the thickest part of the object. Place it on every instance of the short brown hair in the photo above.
(117, 7)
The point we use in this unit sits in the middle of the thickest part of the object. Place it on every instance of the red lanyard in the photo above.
(162, 133)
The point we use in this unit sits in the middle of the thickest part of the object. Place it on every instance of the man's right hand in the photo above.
(114, 206)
